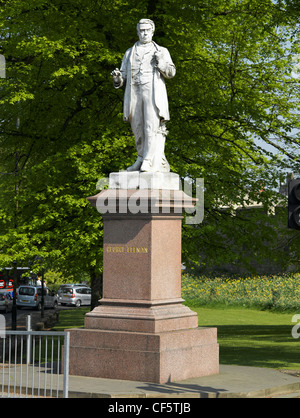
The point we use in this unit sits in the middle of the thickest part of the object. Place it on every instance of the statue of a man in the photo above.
(143, 70)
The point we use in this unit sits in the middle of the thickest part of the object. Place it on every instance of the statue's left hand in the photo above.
(158, 56)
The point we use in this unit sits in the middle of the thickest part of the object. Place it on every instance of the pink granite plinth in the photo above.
(147, 357)
(141, 330)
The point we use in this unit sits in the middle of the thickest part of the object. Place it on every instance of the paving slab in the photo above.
(231, 382)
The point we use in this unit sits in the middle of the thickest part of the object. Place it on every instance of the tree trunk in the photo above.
(96, 286)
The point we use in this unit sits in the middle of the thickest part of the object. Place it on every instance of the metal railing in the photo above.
(33, 362)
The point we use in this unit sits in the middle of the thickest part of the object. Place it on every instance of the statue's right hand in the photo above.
(117, 78)
(116, 73)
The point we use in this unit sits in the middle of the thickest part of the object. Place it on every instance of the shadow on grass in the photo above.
(259, 345)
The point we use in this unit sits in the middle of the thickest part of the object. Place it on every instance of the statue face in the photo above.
(145, 33)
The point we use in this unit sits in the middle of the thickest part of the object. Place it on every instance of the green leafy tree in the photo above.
(62, 129)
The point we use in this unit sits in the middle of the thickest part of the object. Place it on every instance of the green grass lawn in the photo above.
(252, 337)
(71, 318)
(246, 337)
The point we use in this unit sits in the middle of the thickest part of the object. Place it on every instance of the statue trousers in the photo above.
(145, 120)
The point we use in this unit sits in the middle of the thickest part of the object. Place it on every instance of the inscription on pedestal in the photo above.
(126, 249)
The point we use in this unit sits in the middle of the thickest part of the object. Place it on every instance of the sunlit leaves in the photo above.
(233, 95)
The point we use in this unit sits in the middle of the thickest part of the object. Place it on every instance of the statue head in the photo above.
(145, 30)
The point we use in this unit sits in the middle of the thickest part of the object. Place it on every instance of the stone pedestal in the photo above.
(141, 330)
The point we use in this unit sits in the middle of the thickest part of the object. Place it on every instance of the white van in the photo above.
(31, 296)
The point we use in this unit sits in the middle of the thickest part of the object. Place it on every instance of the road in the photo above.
(24, 312)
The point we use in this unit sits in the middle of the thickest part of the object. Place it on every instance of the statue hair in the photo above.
(144, 21)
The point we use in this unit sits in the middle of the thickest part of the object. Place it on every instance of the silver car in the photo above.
(5, 302)
(67, 286)
(75, 295)
(31, 296)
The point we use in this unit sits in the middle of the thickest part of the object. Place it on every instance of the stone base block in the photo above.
(159, 316)
(156, 358)
(136, 180)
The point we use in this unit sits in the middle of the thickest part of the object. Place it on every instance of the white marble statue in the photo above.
(143, 70)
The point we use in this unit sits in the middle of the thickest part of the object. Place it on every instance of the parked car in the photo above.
(31, 296)
(67, 286)
(5, 302)
(75, 295)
